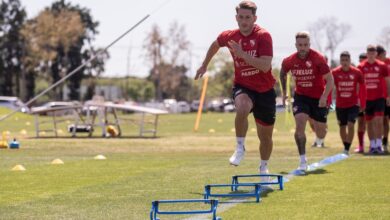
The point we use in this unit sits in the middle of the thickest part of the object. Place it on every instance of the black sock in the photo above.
(384, 141)
(347, 146)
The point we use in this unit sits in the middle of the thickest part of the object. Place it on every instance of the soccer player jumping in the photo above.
(251, 48)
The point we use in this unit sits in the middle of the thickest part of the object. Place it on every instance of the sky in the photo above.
(205, 19)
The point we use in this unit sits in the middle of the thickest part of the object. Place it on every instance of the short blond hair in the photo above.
(302, 34)
(247, 5)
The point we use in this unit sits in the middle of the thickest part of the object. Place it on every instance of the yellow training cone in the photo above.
(18, 168)
(100, 157)
(60, 131)
(23, 132)
(220, 120)
(292, 130)
(211, 131)
(275, 130)
(28, 123)
(57, 162)
(233, 130)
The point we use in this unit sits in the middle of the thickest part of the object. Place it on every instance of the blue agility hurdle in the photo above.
(156, 211)
(279, 182)
(256, 193)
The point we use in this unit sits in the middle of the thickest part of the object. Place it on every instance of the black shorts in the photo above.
(375, 107)
(387, 111)
(361, 114)
(308, 105)
(345, 115)
(264, 104)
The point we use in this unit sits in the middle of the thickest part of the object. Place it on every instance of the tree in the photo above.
(168, 56)
(384, 38)
(74, 57)
(327, 33)
(49, 37)
(12, 18)
(59, 40)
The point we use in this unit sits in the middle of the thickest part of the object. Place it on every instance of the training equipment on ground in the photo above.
(279, 178)
(80, 128)
(14, 144)
(201, 102)
(3, 141)
(155, 211)
(18, 168)
(100, 157)
(112, 131)
(57, 162)
(97, 115)
(255, 193)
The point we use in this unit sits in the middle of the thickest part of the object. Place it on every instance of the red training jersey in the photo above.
(257, 44)
(387, 63)
(374, 75)
(308, 73)
(346, 82)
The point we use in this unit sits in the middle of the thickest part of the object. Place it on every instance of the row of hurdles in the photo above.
(208, 194)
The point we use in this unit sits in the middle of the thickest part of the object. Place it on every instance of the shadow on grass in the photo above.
(316, 171)
(376, 155)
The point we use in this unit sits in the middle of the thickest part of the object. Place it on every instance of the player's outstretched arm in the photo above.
(262, 63)
(213, 49)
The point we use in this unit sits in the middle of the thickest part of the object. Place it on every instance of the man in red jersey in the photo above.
(361, 121)
(375, 74)
(251, 48)
(382, 57)
(310, 71)
(347, 80)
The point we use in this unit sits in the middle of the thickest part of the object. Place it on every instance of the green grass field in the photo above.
(177, 165)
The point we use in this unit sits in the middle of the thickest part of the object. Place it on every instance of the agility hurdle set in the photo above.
(257, 187)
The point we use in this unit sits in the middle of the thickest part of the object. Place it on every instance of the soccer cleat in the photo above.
(264, 179)
(236, 158)
(359, 150)
(302, 167)
(322, 145)
(385, 149)
(379, 150)
(374, 150)
(346, 152)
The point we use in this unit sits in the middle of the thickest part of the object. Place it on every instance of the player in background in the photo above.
(347, 80)
(382, 57)
(377, 81)
(313, 84)
(361, 120)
